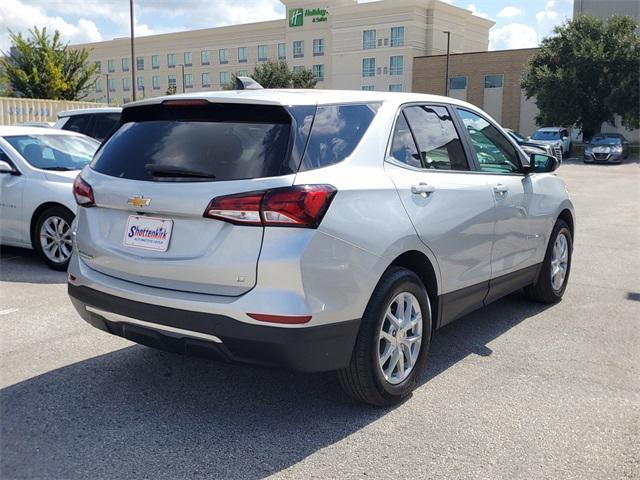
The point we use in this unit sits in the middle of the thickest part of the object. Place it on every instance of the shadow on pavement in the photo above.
(22, 265)
(137, 412)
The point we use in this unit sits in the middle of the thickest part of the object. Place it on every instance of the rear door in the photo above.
(155, 177)
(452, 209)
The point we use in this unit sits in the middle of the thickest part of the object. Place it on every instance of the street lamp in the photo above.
(446, 77)
(182, 67)
(133, 54)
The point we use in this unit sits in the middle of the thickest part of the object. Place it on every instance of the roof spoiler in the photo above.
(247, 83)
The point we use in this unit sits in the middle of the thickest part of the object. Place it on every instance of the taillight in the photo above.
(301, 206)
(83, 192)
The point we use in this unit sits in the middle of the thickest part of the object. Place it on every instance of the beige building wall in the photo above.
(17, 110)
(341, 30)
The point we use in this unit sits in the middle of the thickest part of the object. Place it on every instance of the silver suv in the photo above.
(312, 230)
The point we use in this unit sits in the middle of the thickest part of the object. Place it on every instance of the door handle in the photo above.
(500, 189)
(422, 189)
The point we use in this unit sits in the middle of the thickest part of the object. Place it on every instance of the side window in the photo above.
(77, 123)
(495, 153)
(104, 125)
(436, 136)
(403, 148)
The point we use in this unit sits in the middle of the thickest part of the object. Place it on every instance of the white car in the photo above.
(559, 138)
(37, 169)
(97, 123)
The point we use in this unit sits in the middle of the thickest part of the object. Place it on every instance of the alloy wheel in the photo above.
(55, 239)
(559, 261)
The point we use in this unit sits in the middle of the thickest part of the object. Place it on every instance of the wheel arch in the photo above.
(567, 216)
(420, 264)
(36, 214)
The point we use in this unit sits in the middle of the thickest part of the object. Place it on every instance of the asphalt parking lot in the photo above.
(517, 390)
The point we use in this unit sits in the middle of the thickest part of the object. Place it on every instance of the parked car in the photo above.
(606, 148)
(98, 123)
(37, 168)
(529, 146)
(36, 124)
(312, 230)
(559, 138)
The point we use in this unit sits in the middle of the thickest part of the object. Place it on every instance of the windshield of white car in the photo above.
(546, 135)
(55, 152)
(604, 140)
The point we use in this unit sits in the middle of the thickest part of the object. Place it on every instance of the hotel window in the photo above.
(396, 65)
(298, 69)
(139, 63)
(224, 78)
(171, 60)
(395, 87)
(282, 51)
(111, 66)
(99, 85)
(298, 49)
(397, 36)
(243, 53)
(171, 80)
(98, 66)
(112, 84)
(206, 79)
(140, 82)
(263, 53)
(318, 72)
(457, 83)
(242, 73)
(223, 54)
(188, 80)
(493, 81)
(368, 39)
(125, 64)
(188, 59)
(155, 80)
(126, 84)
(204, 57)
(368, 88)
(368, 67)
(155, 62)
(318, 47)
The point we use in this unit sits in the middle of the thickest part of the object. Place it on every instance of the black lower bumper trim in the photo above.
(307, 349)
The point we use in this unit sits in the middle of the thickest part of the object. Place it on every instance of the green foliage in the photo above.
(43, 67)
(171, 90)
(586, 74)
(272, 74)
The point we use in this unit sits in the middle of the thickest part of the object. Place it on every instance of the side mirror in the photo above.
(6, 168)
(541, 163)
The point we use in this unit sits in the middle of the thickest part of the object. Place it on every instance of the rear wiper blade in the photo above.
(59, 169)
(171, 171)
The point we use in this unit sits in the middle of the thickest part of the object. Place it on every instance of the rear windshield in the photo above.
(205, 143)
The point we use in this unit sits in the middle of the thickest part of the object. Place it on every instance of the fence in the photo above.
(18, 110)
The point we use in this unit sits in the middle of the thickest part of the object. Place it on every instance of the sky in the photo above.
(519, 24)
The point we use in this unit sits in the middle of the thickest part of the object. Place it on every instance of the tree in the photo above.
(43, 67)
(171, 90)
(272, 74)
(586, 74)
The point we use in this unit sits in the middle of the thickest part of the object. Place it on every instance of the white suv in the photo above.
(312, 230)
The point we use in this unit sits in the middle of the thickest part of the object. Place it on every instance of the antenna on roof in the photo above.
(247, 83)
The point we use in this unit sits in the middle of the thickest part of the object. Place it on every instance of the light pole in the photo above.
(181, 65)
(108, 99)
(446, 77)
(133, 54)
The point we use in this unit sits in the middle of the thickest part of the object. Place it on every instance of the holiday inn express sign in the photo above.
(296, 15)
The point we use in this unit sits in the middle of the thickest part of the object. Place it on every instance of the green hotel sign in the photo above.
(297, 15)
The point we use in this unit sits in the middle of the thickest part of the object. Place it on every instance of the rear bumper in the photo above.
(307, 349)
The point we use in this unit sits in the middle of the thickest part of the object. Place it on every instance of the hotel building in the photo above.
(348, 45)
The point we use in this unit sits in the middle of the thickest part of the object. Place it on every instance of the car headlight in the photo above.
(617, 148)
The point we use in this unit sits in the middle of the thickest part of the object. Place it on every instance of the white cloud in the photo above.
(17, 16)
(476, 12)
(512, 35)
(555, 12)
(510, 11)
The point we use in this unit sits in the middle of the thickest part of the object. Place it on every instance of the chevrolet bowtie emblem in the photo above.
(139, 201)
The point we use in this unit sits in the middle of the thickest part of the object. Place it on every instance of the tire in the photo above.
(364, 378)
(53, 227)
(544, 290)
